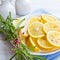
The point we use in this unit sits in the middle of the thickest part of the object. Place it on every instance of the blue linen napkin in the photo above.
(55, 56)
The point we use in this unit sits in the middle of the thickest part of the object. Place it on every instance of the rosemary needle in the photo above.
(9, 30)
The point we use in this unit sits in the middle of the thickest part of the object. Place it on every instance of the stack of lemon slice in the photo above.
(43, 33)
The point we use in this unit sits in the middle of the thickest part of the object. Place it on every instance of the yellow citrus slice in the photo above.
(42, 42)
(36, 30)
(47, 18)
(25, 35)
(39, 17)
(51, 26)
(33, 19)
(31, 44)
(22, 38)
(53, 38)
(58, 22)
(51, 50)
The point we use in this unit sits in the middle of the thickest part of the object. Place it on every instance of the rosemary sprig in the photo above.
(23, 51)
(9, 30)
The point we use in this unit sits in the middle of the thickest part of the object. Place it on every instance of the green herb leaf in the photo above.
(7, 27)
(20, 23)
(9, 30)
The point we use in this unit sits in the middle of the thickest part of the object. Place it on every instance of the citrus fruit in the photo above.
(22, 38)
(50, 50)
(33, 19)
(47, 18)
(35, 30)
(58, 22)
(42, 42)
(51, 26)
(31, 44)
(53, 38)
(24, 32)
(25, 35)
(39, 18)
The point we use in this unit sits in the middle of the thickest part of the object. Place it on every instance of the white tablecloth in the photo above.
(5, 50)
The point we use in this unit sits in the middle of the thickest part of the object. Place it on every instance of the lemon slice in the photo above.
(58, 22)
(25, 35)
(42, 42)
(47, 18)
(32, 45)
(33, 19)
(23, 39)
(35, 30)
(51, 26)
(39, 17)
(51, 50)
(53, 38)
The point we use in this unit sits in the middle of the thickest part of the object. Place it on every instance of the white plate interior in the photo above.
(40, 53)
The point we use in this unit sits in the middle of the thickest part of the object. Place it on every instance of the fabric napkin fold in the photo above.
(55, 56)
